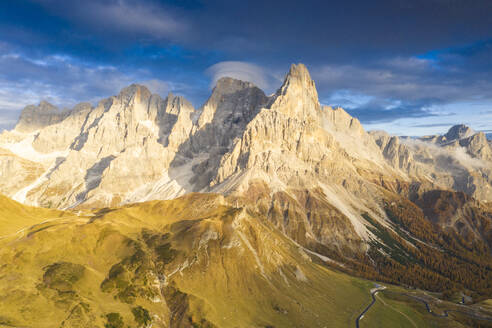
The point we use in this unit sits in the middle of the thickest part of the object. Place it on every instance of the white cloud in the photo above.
(243, 71)
(458, 154)
(121, 16)
(157, 86)
(135, 17)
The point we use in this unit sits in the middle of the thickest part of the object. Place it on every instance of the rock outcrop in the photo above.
(460, 160)
(37, 117)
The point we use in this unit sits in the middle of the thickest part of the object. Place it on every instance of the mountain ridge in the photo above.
(137, 146)
(378, 205)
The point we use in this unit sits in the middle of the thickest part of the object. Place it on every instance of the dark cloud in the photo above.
(128, 19)
(383, 60)
(318, 31)
(314, 31)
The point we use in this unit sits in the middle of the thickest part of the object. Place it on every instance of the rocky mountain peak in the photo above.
(299, 71)
(138, 92)
(231, 98)
(81, 107)
(237, 136)
(33, 117)
(477, 146)
(175, 104)
(46, 107)
(297, 97)
(459, 131)
(298, 77)
(228, 84)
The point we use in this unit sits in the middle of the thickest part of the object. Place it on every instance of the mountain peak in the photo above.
(230, 88)
(175, 104)
(33, 117)
(226, 85)
(299, 71)
(297, 96)
(459, 131)
(83, 106)
(231, 95)
(298, 75)
(136, 91)
(45, 106)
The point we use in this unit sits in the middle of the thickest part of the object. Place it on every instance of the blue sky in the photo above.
(408, 67)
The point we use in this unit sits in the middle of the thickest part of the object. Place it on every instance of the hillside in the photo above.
(192, 261)
(189, 262)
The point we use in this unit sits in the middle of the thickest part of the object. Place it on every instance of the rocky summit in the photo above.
(137, 146)
(281, 178)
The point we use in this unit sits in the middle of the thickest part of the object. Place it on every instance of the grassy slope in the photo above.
(394, 312)
(15, 216)
(246, 275)
(189, 262)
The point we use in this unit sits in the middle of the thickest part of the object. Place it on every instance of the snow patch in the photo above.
(25, 150)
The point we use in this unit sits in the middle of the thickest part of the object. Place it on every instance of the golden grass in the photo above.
(189, 260)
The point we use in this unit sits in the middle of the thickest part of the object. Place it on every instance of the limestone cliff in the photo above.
(460, 160)
(310, 169)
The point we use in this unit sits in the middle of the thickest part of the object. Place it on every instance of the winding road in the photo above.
(445, 313)
(374, 291)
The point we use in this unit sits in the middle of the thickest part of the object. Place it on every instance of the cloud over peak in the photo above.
(242, 71)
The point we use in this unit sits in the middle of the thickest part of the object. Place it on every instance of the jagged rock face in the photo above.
(220, 122)
(312, 169)
(397, 154)
(101, 155)
(477, 146)
(36, 117)
(53, 138)
(459, 131)
(297, 97)
(460, 160)
(293, 141)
